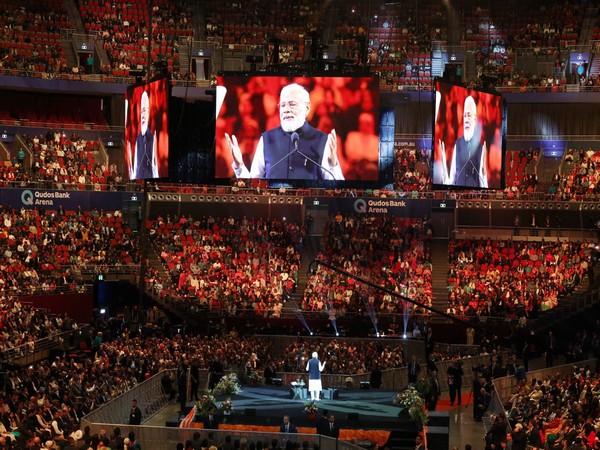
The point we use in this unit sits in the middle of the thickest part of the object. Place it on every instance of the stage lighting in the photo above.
(311, 333)
(103, 311)
(378, 335)
(404, 336)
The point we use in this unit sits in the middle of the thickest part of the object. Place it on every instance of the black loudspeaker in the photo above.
(250, 412)
(277, 382)
(365, 385)
(352, 416)
(335, 394)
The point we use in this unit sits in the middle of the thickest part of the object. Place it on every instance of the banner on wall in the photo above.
(69, 200)
(397, 207)
(423, 144)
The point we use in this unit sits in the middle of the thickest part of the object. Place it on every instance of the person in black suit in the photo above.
(323, 423)
(332, 429)
(211, 422)
(287, 426)
(434, 390)
(454, 377)
(413, 370)
(135, 415)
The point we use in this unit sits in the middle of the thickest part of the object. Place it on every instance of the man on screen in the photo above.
(145, 164)
(468, 166)
(292, 150)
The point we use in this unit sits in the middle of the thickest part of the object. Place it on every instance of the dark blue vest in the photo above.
(468, 160)
(278, 143)
(143, 147)
(313, 369)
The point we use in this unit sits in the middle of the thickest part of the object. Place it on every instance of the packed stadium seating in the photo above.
(47, 251)
(69, 163)
(389, 252)
(227, 265)
(411, 169)
(250, 267)
(124, 30)
(578, 177)
(512, 278)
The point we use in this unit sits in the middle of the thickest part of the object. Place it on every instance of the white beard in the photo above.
(289, 126)
(468, 135)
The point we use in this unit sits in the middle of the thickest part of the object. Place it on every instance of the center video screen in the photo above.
(469, 138)
(297, 128)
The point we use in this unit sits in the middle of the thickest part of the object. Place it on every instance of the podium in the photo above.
(298, 391)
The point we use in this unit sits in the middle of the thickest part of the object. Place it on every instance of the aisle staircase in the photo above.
(439, 274)
(309, 252)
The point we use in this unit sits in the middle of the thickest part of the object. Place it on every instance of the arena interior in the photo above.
(166, 290)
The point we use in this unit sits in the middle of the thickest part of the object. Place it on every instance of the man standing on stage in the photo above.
(314, 367)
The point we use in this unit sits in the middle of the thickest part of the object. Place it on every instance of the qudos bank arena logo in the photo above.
(360, 206)
(27, 197)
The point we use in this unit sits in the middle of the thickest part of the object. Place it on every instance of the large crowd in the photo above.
(394, 42)
(554, 413)
(128, 39)
(389, 252)
(47, 251)
(411, 169)
(234, 266)
(47, 400)
(512, 278)
(66, 162)
(345, 357)
(578, 178)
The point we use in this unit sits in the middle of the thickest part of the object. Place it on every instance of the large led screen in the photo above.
(468, 138)
(146, 130)
(297, 128)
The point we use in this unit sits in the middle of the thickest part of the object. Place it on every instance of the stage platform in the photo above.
(363, 409)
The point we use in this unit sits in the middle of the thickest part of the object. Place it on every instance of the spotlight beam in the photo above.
(394, 294)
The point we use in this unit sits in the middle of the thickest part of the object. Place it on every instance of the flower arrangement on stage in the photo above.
(411, 400)
(205, 404)
(227, 406)
(311, 407)
(227, 385)
(255, 378)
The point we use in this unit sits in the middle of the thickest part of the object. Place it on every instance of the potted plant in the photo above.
(227, 406)
(311, 409)
(227, 385)
(411, 401)
(205, 404)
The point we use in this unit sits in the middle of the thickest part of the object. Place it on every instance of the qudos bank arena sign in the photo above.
(414, 208)
(68, 200)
